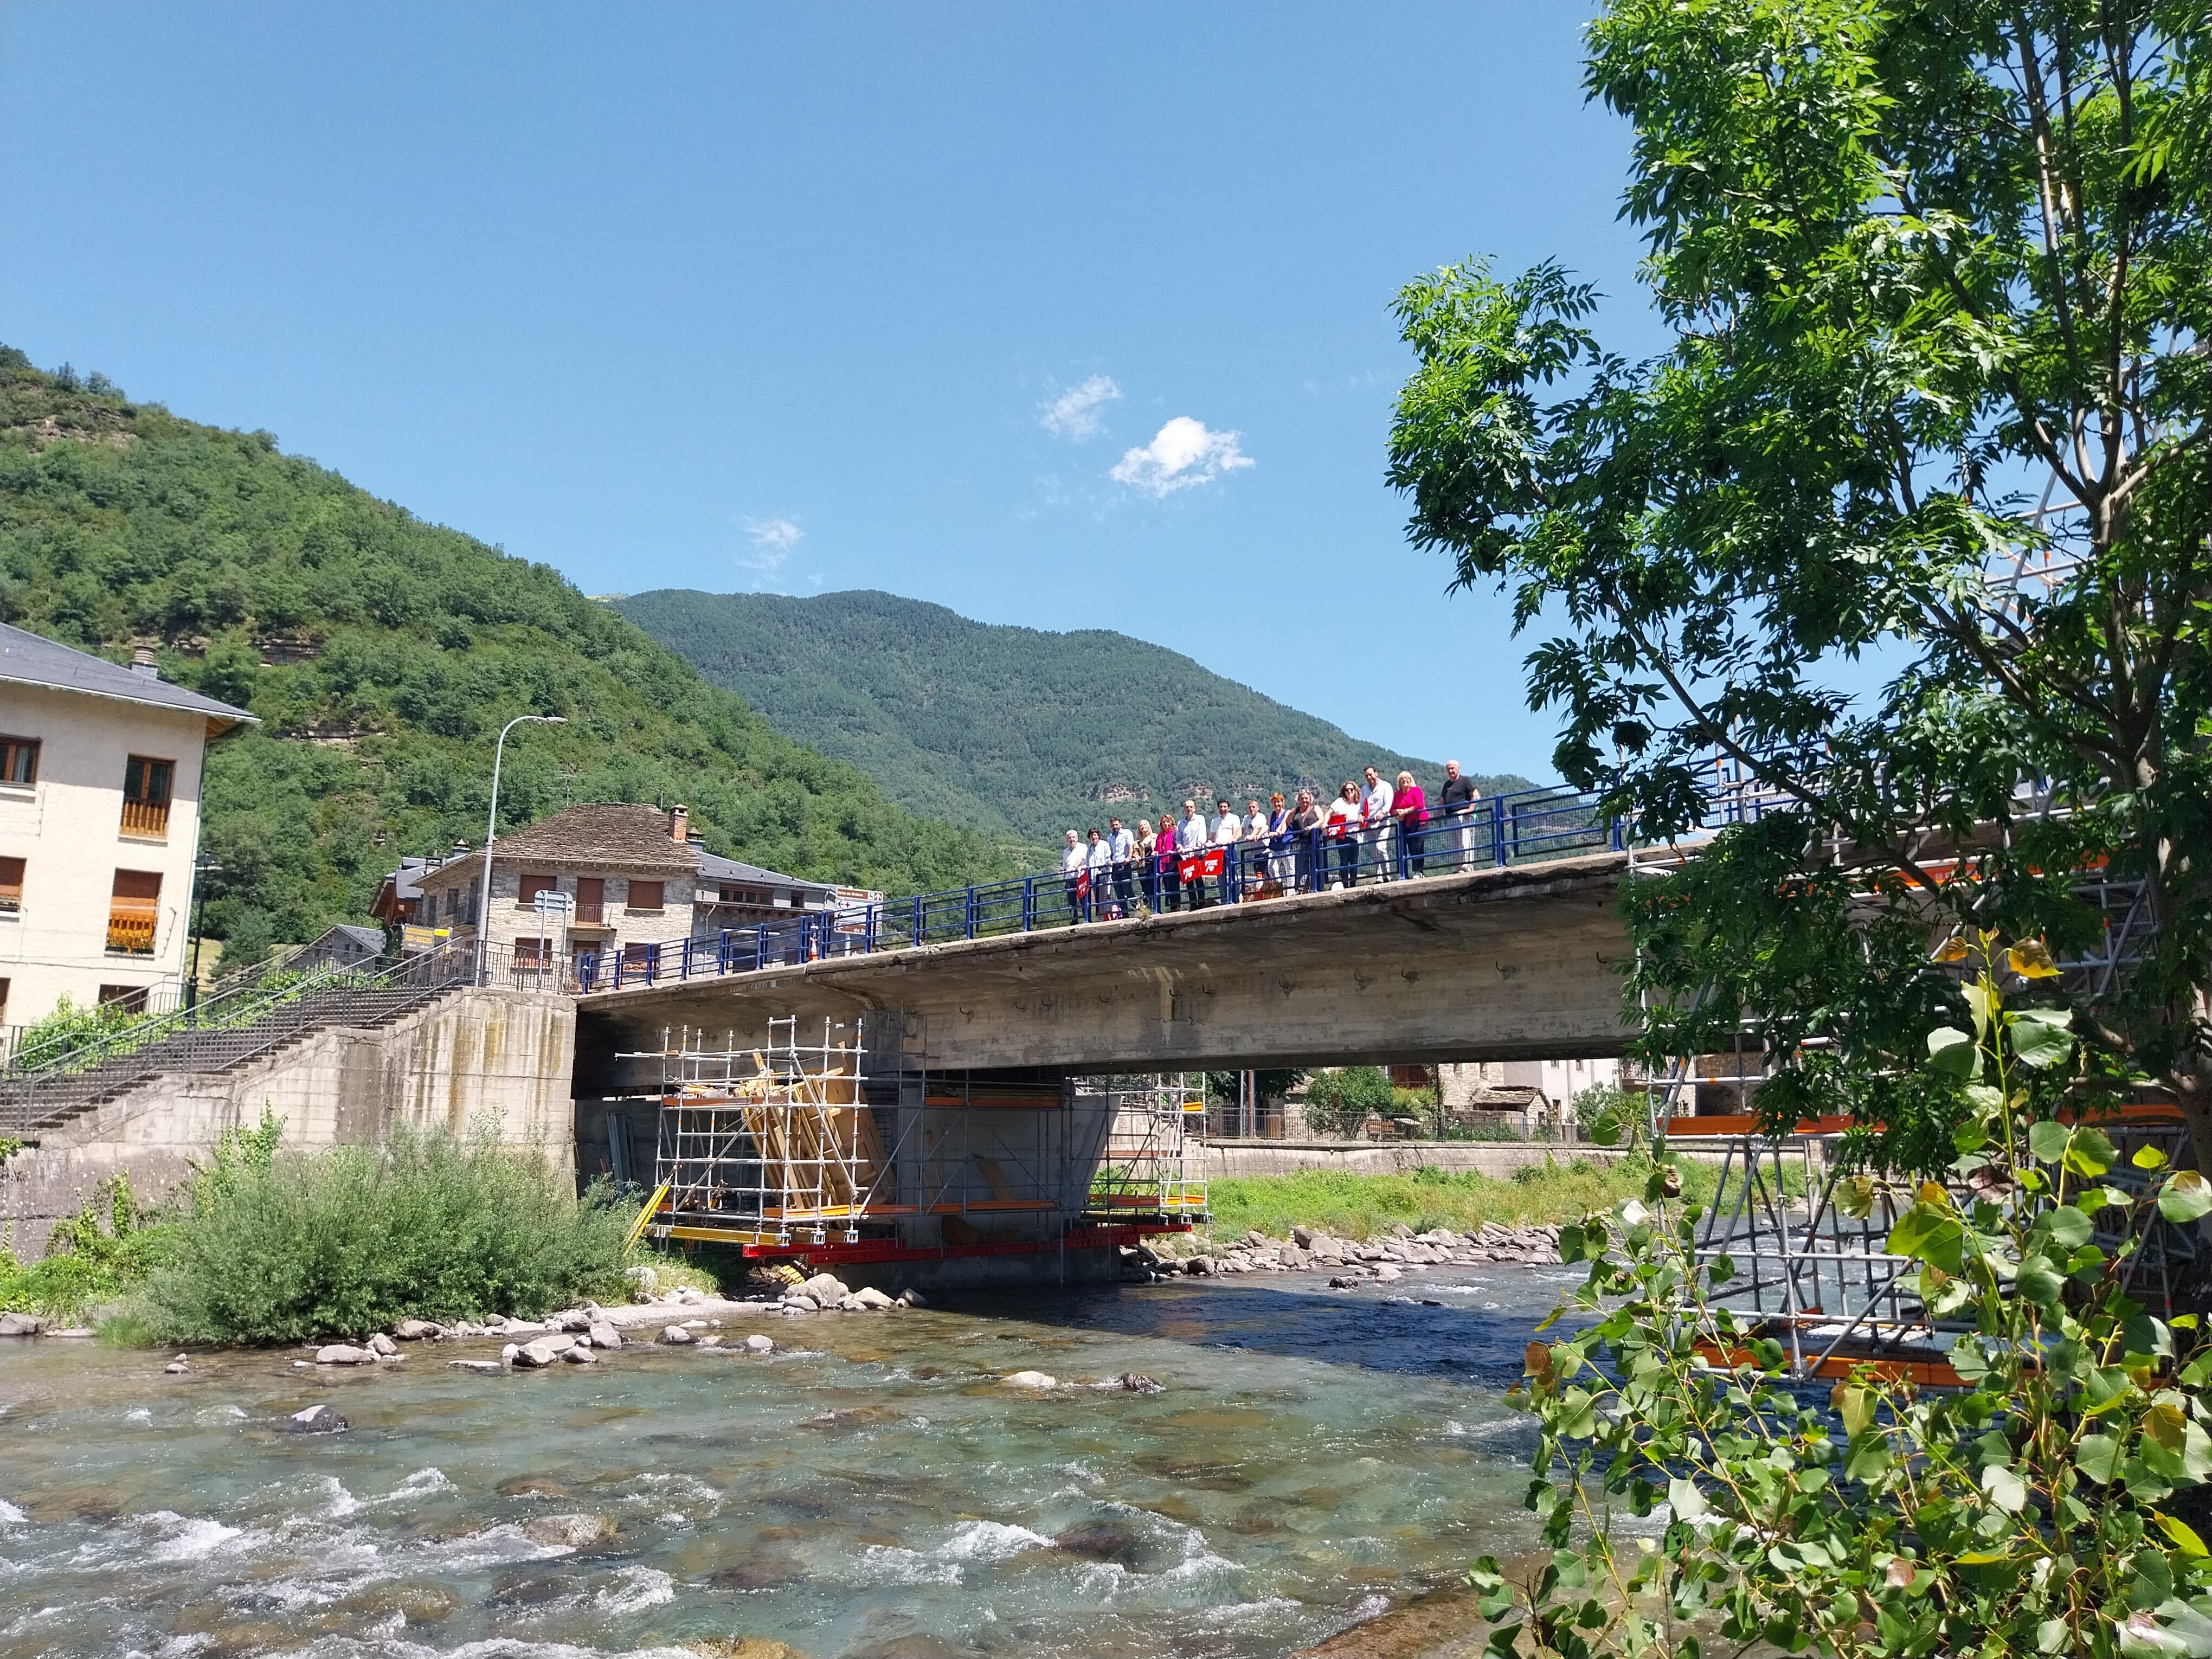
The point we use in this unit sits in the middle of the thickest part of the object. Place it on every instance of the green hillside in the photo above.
(382, 655)
(1008, 730)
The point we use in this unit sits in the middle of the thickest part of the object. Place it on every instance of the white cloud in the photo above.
(1181, 453)
(772, 540)
(1073, 415)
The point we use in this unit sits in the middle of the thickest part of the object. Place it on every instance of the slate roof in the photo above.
(713, 867)
(28, 659)
(597, 835)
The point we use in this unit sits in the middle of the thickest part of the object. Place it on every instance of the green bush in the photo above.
(276, 1249)
(1338, 1103)
(96, 1256)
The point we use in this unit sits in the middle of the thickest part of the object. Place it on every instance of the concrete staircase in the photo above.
(48, 1097)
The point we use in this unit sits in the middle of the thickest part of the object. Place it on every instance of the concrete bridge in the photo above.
(1517, 963)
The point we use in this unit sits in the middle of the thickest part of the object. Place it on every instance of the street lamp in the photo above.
(491, 832)
(203, 867)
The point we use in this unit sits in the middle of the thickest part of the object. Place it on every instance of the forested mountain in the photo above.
(1008, 730)
(383, 654)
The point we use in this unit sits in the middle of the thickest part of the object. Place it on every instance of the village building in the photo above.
(592, 884)
(100, 820)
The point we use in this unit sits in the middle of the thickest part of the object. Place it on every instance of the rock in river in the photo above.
(676, 1334)
(605, 1335)
(1031, 1380)
(576, 1531)
(344, 1353)
(316, 1420)
(19, 1324)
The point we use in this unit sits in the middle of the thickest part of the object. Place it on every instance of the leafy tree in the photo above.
(2032, 1511)
(1929, 268)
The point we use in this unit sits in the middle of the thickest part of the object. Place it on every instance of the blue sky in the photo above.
(1070, 317)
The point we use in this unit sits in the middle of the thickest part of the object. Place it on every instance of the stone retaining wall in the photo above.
(1490, 1158)
(473, 1057)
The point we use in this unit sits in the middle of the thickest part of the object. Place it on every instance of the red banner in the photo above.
(1207, 863)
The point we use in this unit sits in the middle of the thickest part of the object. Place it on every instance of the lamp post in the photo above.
(491, 834)
(203, 867)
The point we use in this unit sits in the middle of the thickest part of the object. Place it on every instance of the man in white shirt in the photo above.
(1074, 861)
(1191, 838)
(1458, 797)
(1374, 840)
(1122, 846)
(1226, 830)
(1099, 902)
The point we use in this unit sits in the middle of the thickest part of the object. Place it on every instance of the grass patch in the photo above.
(1362, 1205)
(94, 1258)
(272, 1249)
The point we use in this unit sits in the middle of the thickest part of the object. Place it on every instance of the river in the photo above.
(869, 1490)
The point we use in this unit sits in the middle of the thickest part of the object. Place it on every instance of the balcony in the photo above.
(146, 820)
(130, 930)
(591, 913)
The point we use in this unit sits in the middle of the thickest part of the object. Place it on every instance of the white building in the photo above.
(100, 821)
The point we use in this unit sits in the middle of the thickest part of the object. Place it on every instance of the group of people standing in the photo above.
(1384, 829)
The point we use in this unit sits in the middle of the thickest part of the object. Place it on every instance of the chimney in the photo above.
(697, 839)
(679, 824)
(141, 662)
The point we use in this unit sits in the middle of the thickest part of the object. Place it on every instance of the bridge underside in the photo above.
(1516, 964)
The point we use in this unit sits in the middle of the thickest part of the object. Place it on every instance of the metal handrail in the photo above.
(34, 1096)
(1519, 827)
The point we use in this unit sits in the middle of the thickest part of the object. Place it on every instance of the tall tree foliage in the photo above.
(1937, 400)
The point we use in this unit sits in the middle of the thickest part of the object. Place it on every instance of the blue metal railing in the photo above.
(1526, 826)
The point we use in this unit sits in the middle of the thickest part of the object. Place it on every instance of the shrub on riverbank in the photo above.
(269, 1248)
(95, 1257)
(1361, 1206)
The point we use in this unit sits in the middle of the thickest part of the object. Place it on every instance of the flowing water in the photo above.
(871, 1489)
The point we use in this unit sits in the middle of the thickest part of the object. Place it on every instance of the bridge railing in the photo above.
(1525, 826)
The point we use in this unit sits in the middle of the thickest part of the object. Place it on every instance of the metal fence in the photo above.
(1527, 826)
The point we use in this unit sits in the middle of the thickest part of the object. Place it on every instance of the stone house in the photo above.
(617, 881)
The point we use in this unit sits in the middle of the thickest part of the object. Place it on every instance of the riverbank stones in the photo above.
(19, 1324)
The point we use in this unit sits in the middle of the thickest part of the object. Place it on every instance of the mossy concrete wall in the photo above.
(474, 1061)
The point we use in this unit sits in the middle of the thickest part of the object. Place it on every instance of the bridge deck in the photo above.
(1522, 962)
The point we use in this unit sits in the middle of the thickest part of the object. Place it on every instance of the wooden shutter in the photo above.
(645, 895)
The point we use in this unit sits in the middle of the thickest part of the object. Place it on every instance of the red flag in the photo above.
(1207, 863)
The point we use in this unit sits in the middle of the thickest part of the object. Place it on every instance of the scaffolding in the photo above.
(774, 1143)
(1824, 1283)
(1151, 1165)
(848, 1147)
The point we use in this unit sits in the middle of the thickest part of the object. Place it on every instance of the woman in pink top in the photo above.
(1163, 849)
(1411, 808)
